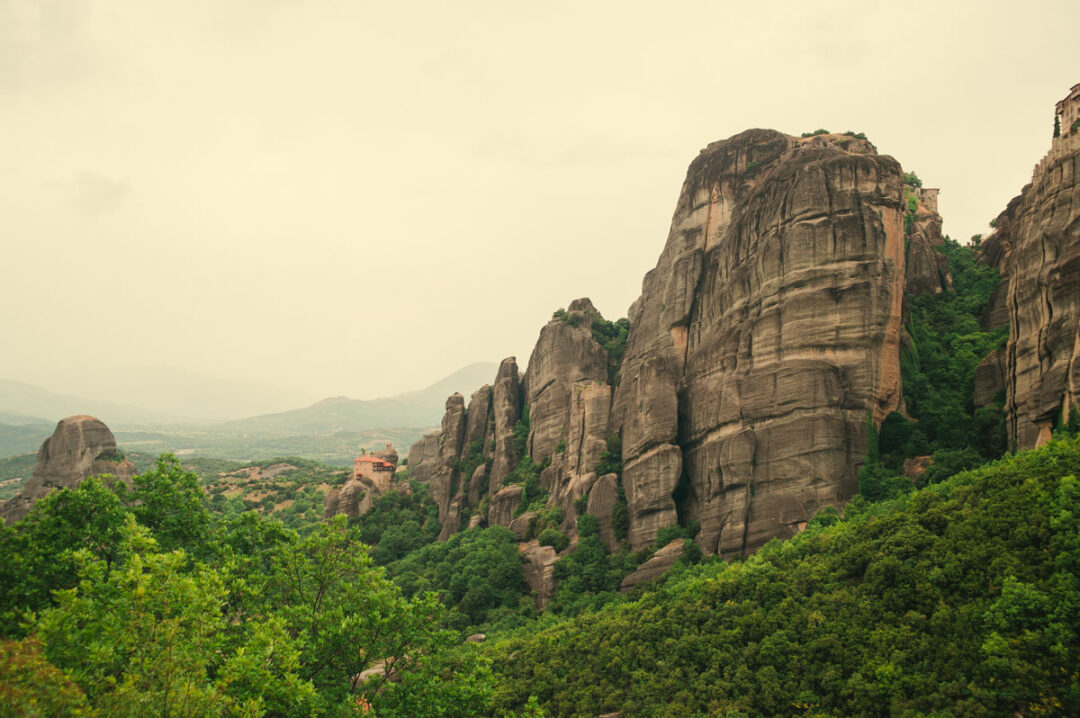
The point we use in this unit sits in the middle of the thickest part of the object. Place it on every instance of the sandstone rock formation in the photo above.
(506, 410)
(765, 339)
(602, 498)
(539, 570)
(656, 566)
(80, 446)
(569, 402)
(1036, 247)
(764, 344)
(926, 267)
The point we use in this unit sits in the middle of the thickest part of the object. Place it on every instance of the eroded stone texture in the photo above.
(602, 498)
(443, 481)
(927, 267)
(564, 356)
(476, 425)
(539, 569)
(989, 379)
(655, 567)
(80, 446)
(423, 457)
(506, 410)
(1036, 247)
(764, 340)
(503, 504)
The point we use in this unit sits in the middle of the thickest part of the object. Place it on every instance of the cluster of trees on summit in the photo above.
(956, 596)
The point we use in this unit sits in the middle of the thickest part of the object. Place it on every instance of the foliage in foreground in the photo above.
(960, 599)
(136, 602)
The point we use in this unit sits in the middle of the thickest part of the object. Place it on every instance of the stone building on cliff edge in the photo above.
(1067, 113)
(377, 468)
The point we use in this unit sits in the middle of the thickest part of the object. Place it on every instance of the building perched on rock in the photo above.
(1067, 113)
(375, 469)
(372, 476)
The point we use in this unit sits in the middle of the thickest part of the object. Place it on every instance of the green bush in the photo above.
(553, 537)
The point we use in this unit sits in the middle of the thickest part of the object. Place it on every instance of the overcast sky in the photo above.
(346, 197)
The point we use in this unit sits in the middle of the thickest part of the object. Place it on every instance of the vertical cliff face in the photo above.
(506, 410)
(765, 341)
(1036, 247)
(80, 446)
(569, 402)
(763, 348)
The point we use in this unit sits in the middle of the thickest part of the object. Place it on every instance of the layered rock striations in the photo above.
(80, 446)
(765, 341)
(762, 350)
(569, 400)
(1036, 247)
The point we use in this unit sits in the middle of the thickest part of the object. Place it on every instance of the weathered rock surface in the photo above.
(502, 506)
(539, 569)
(989, 379)
(423, 457)
(602, 499)
(764, 339)
(80, 446)
(506, 410)
(1036, 247)
(566, 354)
(655, 567)
(927, 268)
(476, 424)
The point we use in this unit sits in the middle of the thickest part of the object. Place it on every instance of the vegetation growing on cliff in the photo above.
(947, 343)
(961, 598)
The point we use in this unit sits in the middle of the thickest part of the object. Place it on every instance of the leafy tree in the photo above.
(31, 686)
(40, 550)
(140, 638)
(169, 501)
(476, 572)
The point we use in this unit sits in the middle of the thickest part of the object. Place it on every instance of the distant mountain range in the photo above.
(422, 408)
(330, 430)
(22, 403)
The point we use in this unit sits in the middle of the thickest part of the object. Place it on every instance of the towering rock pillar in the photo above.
(81, 446)
(765, 341)
(1036, 247)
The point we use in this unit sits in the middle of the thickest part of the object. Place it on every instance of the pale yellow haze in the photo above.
(358, 198)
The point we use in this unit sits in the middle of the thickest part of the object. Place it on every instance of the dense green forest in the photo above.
(956, 592)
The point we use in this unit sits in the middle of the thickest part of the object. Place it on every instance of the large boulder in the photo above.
(80, 446)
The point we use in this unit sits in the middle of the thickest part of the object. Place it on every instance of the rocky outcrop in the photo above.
(602, 499)
(569, 399)
(503, 504)
(539, 569)
(506, 411)
(423, 457)
(1036, 248)
(353, 499)
(989, 379)
(765, 339)
(660, 563)
(926, 266)
(80, 446)
(565, 355)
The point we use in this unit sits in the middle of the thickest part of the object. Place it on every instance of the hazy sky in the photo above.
(358, 198)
